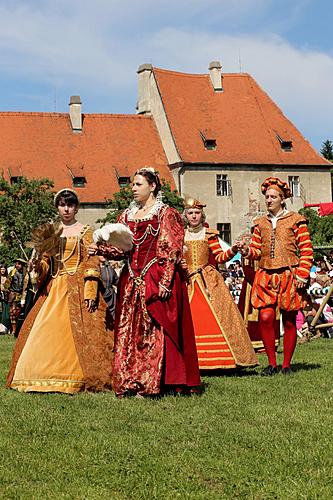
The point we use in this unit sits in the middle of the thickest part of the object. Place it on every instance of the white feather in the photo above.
(117, 235)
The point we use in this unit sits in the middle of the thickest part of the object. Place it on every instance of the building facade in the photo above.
(223, 135)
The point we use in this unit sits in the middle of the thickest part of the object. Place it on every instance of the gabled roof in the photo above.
(44, 145)
(249, 127)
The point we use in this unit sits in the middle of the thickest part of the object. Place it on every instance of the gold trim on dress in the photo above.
(91, 272)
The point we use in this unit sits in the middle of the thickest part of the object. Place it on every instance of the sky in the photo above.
(52, 49)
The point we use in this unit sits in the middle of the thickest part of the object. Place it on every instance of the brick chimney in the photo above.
(144, 72)
(75, 113)
(216, 75)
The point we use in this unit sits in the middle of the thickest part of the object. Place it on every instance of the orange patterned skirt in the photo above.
(276, 287)
(212, 347)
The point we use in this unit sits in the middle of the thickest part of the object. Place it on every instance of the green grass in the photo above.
(246, 437)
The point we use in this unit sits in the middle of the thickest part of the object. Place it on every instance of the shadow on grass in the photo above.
(229, 373)
(297, 367)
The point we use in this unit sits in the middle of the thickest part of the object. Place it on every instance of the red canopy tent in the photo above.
(323, 208)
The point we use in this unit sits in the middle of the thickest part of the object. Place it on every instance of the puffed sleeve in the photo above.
(254, 250)
(219, 254)
(170, 243)
(92, 272)
(305, 249)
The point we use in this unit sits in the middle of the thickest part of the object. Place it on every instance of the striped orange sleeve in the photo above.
(304, 244)
(254, 250)
(219, 254)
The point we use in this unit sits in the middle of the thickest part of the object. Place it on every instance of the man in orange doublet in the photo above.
(281, 279)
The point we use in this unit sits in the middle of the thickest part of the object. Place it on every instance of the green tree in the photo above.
(24, 205)
(327, 150)
(123, 198)
(320, 228)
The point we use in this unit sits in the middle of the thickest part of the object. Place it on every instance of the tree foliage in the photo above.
(327, 150)
(320, 228)
(123, 198)
(24, 205)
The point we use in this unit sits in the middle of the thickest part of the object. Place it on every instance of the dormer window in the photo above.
(123, 182)
(79, 182)
(210, 144)
(285, 142)
(208, 138)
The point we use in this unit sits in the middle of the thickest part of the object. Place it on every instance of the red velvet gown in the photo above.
(154, 339)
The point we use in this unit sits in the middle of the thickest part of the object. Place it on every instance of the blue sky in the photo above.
(51, 49)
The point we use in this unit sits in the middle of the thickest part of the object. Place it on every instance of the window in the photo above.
(123, 182)
(285, 143)
(223, 185)
(224, 229)
(208, 137)
(79, 182)
(295, 185)
(210, 144)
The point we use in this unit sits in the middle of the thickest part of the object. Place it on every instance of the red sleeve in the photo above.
(306, 251)
(170, 243)
(254, 250)
(219, 254)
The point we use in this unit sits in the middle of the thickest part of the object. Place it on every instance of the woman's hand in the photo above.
(163, 292)
(90, 305)
(92, 249)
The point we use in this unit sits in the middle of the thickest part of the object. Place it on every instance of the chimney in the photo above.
(216, 75)
(75, 113)
(144, 72)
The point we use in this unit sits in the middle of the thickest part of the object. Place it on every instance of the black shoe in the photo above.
(269, 371)
(286, 371)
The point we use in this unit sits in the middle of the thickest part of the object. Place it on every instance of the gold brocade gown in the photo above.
(221, 337)
(64, 348)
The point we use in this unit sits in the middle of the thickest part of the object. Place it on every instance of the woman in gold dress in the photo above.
(221, 337)
(65, 344)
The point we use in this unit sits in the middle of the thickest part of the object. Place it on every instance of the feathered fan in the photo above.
(46, 238)
(117, 235)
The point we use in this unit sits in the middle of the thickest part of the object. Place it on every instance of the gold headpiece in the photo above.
(59, 193)
(193, 203)
(275, 183)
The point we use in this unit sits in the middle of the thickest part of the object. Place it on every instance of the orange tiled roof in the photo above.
(244, 119)
(43, 145)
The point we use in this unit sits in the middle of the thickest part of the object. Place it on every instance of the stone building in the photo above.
(214, 136)
(223, 135)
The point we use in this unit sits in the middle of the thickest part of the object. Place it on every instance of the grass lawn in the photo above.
(246, 437)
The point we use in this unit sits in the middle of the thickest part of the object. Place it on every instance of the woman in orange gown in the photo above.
(65, 344)
(221, 337)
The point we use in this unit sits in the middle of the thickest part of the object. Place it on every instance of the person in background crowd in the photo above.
(221, 337)
(154, 339)
(4, 306)
(65, 344)
(282, 276)
(109, 279)
(238, 269)
(15, 288)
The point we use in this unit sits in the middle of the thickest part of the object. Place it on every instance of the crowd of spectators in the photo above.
(321, 278)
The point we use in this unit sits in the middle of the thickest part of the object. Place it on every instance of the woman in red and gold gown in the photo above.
(221, 337)
(66, 343)
(154, 338)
